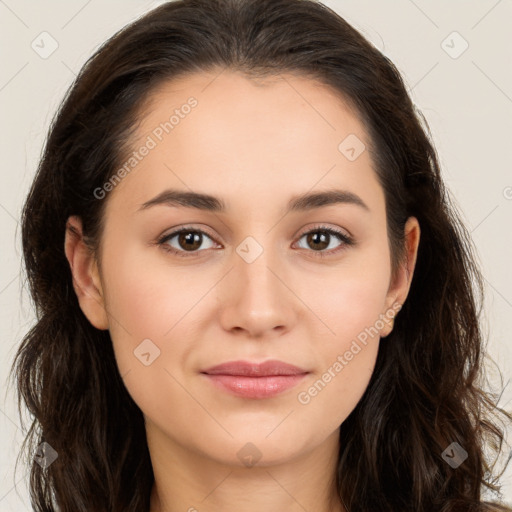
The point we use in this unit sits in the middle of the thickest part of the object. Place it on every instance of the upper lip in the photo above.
(248, 369)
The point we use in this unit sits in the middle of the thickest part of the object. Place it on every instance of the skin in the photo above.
(254, 144)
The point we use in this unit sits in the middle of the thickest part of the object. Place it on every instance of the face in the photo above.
(265, 277)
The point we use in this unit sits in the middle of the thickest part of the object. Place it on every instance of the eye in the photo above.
(189, 240)
(322, 236)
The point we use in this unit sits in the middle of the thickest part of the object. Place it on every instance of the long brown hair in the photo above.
(426, 391)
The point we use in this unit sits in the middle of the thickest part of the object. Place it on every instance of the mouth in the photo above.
(255, 380)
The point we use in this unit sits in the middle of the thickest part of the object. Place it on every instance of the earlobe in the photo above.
(399, 289)
(86, 279)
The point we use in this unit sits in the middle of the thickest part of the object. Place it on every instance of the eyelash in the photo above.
(347, 241)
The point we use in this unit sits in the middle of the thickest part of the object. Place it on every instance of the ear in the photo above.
(400, 285)
(86, 279)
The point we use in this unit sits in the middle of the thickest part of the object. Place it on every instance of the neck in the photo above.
(193, 482)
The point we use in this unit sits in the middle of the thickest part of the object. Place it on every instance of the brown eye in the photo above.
(321, 238)
(318, 240)
(187, 240)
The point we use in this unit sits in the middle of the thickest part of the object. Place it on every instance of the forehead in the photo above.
(221, 131)
(274, 102)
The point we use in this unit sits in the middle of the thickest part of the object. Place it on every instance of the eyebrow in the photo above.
(303, 202)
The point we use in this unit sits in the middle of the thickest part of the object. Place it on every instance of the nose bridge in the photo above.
(257, 299)
(256, 267)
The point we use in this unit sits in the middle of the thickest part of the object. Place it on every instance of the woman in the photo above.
(261, 371)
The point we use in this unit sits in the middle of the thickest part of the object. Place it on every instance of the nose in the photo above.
(255, 296)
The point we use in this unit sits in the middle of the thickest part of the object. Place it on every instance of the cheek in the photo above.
(349, 302)
(145, 301)
(146, 295)
(349, 298)
(346, 361)
(150, 307)
(149, 298)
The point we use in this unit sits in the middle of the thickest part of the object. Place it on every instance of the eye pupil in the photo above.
(190, 240)
(318, 237)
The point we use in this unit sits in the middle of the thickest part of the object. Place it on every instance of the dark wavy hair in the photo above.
(427, 389)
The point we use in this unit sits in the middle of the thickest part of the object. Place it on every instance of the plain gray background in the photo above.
(461, 81)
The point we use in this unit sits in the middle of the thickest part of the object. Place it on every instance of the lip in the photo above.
(268, 368)
(255, 380)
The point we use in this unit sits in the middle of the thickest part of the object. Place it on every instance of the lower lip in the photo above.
(256, 387)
